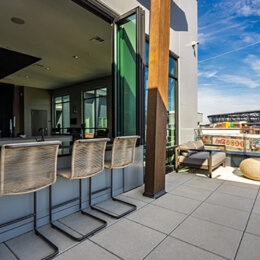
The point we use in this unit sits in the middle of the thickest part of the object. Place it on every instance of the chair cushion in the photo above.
(202, 158)
(65, 173)
(199, 145)
(189, 145)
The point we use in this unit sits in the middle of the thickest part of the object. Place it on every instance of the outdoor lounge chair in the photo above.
(195, 155)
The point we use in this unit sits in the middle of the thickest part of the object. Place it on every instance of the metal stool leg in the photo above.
(92, 232)
(114, 215)
(36, 231)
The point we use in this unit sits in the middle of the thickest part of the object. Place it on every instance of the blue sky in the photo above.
(229, 56)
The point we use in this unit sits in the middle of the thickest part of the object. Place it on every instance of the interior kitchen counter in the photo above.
(62, 138)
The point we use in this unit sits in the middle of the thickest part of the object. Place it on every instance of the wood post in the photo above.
(157, 97)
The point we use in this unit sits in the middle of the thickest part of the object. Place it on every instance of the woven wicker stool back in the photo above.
(123, 151)
(88, 157)
(27, 167)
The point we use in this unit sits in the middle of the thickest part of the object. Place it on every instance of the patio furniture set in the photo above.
(195, 154)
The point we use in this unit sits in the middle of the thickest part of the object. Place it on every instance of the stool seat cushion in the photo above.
(251, 168)
(65, 173)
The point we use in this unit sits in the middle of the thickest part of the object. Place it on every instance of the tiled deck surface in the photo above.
(198, 218)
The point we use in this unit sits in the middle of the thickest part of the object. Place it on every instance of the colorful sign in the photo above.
(246, 144)
(232, 143)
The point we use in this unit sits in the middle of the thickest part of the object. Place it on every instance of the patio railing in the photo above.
(244, 141)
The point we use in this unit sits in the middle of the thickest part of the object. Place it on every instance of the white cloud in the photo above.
(247, 7)
(250, 37)
(211, 101)
(207, 35)
(242, 8)
(206, 85)
(254, 62)
(207, 74)
(238, 80)
(202, 38)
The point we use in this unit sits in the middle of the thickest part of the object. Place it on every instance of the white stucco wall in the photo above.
(183, 31)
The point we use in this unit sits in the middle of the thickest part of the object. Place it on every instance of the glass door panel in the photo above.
(126, 76)
(89, 112)
(101, 112)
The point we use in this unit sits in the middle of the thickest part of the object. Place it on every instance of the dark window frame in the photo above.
(112, 17)
(62, 104)
(176, 78)
(95, 97)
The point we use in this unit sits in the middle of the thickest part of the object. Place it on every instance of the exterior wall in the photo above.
(188, 106)
(182, 32)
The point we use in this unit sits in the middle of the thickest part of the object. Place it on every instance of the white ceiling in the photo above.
(55, 31)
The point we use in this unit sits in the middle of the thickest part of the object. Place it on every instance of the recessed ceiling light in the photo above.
(17, 20)
(47, 68)
(26, 76)
(75, 57)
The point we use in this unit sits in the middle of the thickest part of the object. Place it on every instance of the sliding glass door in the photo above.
(129, 73)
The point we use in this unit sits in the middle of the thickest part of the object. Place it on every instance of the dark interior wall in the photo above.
(6, 108)
(75, 92)
(18, 109)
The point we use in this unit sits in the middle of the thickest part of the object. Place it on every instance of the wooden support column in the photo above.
(157, 98)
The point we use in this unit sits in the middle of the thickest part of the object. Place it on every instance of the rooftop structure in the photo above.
(248, 116)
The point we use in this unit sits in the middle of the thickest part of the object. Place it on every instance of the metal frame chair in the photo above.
(28, 168)
(123, 155)
(87, 161)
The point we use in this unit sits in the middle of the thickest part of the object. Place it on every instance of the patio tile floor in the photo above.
(191, 192)
(5, 253)
(221, 215)
(199, 218)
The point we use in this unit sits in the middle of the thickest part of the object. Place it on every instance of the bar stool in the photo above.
(28, 168)
(87, 161)
(123, 155)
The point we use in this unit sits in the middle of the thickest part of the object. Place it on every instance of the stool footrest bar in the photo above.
(98, 191)
(65, 203)
(16, 220)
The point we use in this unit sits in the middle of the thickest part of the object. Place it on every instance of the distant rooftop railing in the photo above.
(245, 141)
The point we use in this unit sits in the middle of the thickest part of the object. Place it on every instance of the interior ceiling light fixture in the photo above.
(17, 20)
(97, 39)
(75, 56)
